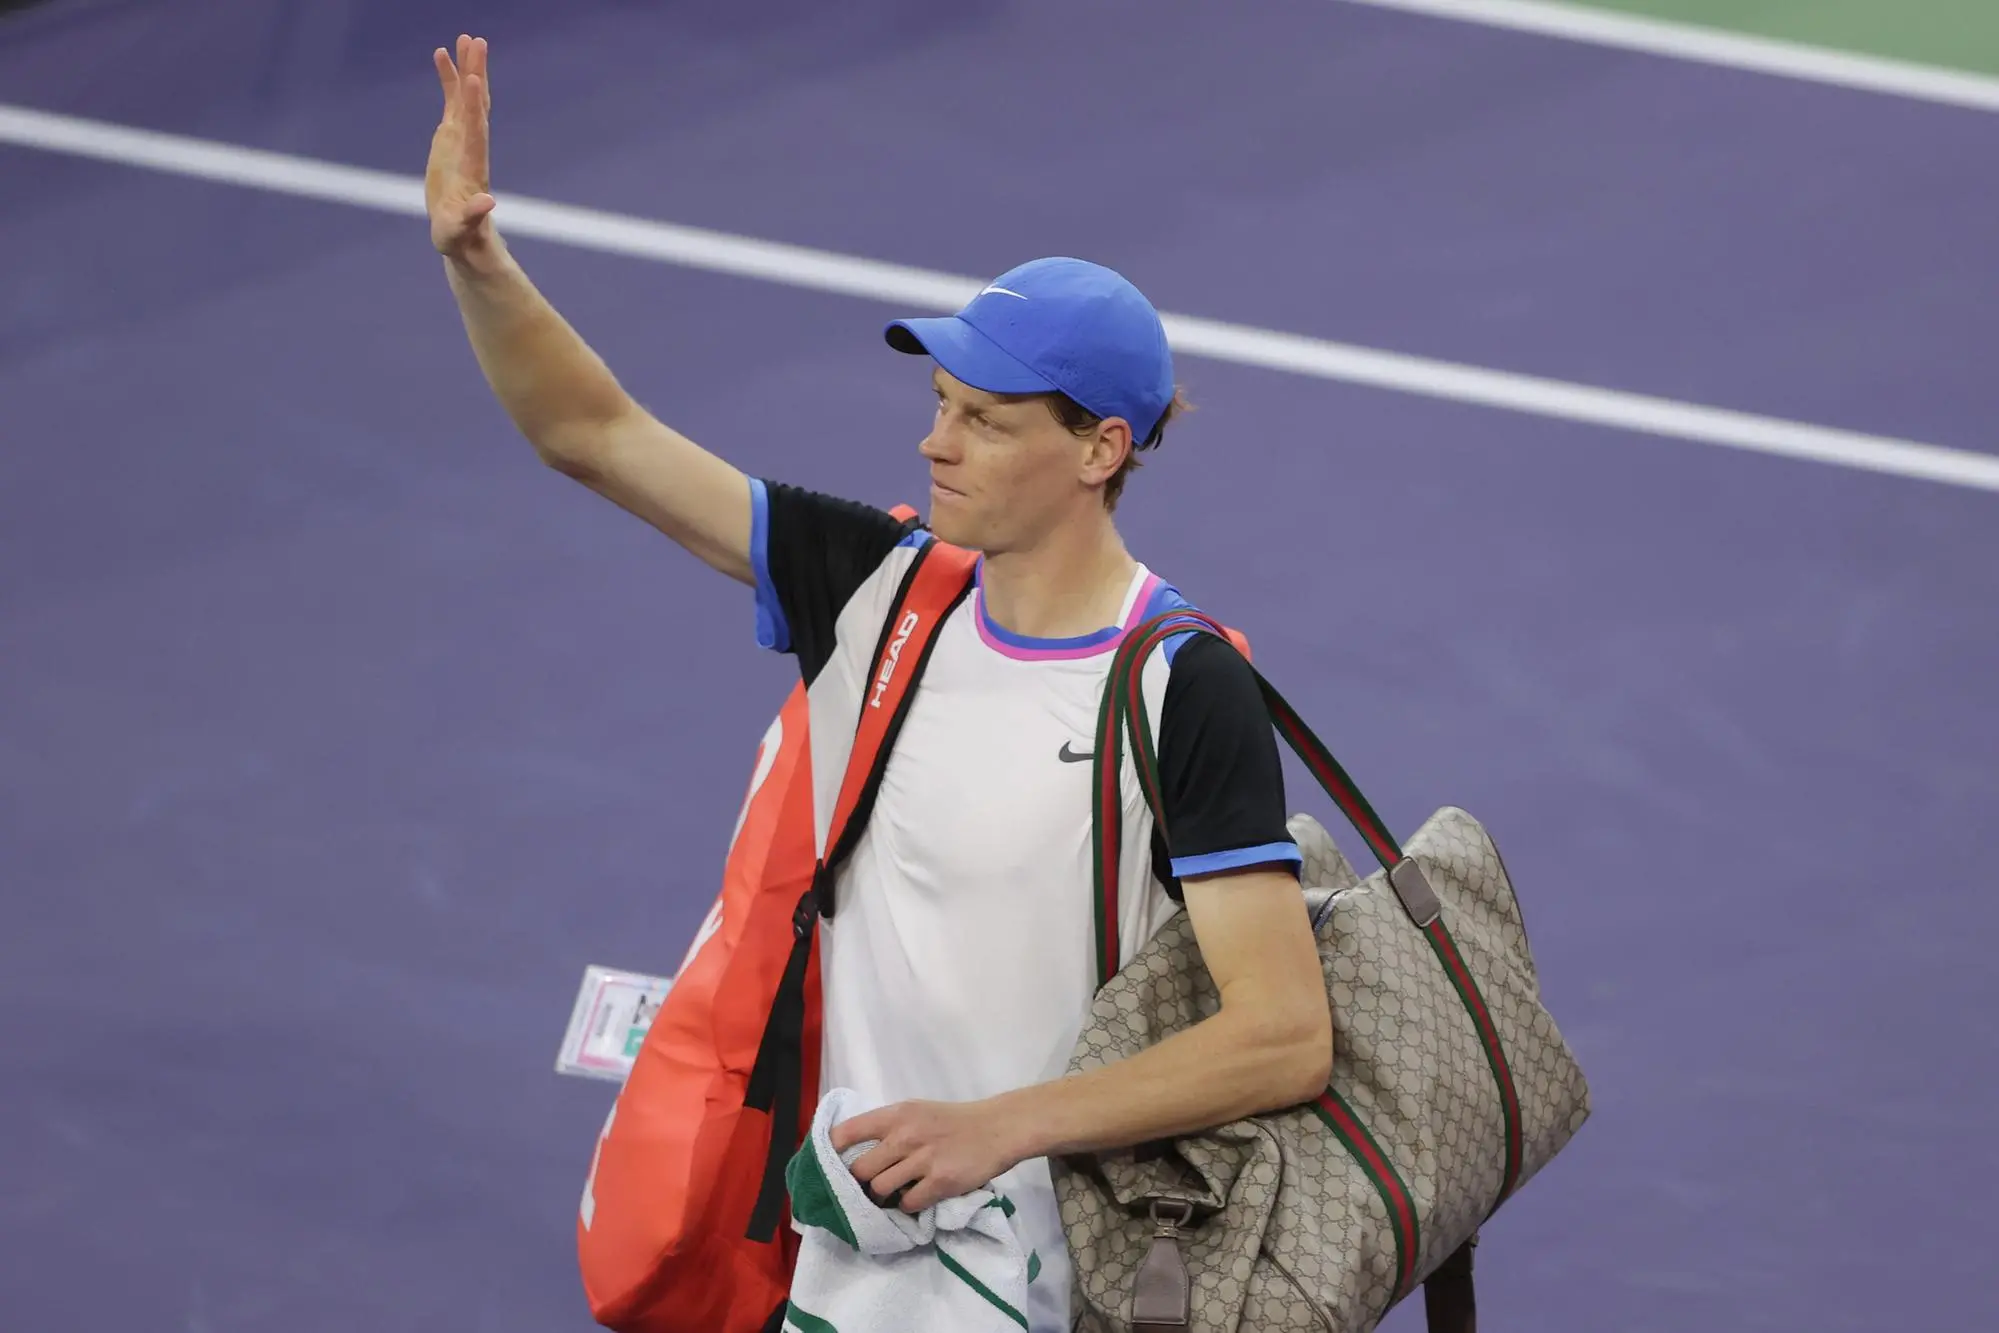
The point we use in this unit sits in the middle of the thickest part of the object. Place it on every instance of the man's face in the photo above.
(1005, 473)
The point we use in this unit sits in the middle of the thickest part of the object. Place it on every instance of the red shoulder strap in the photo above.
(938, 579)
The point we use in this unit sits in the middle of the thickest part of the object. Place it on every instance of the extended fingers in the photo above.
(472, 63)
(478, 163)
(474, 102)
(468, 62)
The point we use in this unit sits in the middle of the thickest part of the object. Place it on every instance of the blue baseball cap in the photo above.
(1056, 325)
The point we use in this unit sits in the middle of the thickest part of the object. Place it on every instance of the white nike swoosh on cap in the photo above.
(1004, 292)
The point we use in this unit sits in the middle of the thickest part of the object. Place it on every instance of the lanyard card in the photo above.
(608, 1024)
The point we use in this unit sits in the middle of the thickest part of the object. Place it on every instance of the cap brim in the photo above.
(966, 354)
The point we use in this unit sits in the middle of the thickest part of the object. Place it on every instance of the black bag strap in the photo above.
(1450, 1305)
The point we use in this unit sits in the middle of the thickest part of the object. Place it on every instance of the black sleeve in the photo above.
(1221, 778)
(811, 553)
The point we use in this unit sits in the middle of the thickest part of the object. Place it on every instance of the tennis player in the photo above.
(958, 970)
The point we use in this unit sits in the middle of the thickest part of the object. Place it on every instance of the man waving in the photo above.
(958, 971)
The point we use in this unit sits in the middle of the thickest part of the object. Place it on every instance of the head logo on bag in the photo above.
(902, 633)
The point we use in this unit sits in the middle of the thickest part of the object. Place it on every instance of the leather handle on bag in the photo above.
(1162, 1297)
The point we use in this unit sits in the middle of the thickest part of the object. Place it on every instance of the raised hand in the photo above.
(457, 180)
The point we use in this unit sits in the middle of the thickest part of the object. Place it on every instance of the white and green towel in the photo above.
(957, 1265)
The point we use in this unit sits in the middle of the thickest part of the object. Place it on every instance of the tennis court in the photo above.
(1597, 438)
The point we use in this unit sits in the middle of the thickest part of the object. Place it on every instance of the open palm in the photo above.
(457, 182)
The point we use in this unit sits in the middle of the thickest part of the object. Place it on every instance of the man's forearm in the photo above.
(1222, 1069)
(546, 377)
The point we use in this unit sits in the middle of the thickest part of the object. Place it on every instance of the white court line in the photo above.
(1685, 41)
(822, 270)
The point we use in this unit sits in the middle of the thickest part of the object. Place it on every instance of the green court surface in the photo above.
(1958, 34)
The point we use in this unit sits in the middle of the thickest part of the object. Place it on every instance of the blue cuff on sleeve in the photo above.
(772, 631)
(1271, 853)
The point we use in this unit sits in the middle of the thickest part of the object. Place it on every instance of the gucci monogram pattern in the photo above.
(1326, 868)
(1289, 1232)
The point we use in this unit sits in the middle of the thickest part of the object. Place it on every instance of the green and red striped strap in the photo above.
(1123, 716)
(1107, 833)
(1332, 1109)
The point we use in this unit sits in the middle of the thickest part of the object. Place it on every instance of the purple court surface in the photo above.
(337, 736)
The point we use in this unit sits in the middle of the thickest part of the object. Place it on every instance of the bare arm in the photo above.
(1269, 1046)
(558, 391)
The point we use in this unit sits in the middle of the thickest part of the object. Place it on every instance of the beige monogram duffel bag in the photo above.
(1451, 1085)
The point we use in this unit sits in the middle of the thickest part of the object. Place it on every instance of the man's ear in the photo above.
(1109, 448)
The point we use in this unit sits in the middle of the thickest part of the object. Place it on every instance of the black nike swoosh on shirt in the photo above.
(1069, 756)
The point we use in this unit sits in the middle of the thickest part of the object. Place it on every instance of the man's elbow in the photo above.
(575, 451)
(1311, 1069)
(581, 441)
(1301, 1059)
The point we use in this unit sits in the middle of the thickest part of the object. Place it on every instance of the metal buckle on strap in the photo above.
(1419, 900)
